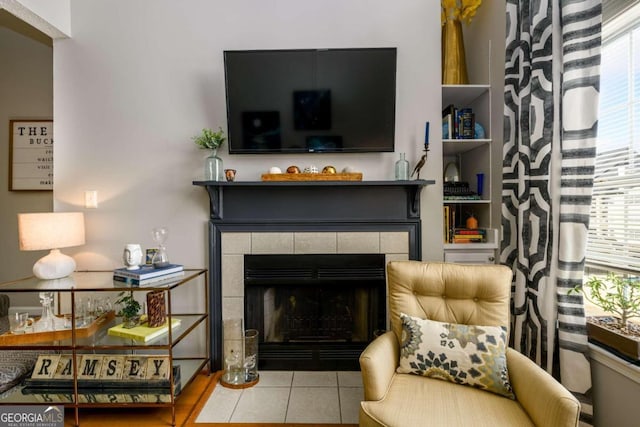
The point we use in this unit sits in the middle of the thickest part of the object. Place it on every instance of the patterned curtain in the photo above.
(551, 104)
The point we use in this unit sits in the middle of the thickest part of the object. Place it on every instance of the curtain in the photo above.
(550, 123)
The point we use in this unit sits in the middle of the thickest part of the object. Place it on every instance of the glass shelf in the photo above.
(96, 341)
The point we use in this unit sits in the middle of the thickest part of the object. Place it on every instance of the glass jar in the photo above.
(402, 169)
(213, 169)
(251, 355)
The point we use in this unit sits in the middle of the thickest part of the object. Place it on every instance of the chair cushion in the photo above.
(463, 354)
(418, 401)
(454, 293)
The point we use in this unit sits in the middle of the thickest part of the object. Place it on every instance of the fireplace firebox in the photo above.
(314, 312)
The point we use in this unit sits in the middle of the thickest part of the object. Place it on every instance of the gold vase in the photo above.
(454, 66)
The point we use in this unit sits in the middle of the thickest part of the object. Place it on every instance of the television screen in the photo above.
(311, 100)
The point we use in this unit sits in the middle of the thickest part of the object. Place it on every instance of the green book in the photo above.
(142, 332)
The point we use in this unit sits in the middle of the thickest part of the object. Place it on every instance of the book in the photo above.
(142, 332)
(470, 231)
(446, 224)
(157, 280)
(469, 235)
(147, 271)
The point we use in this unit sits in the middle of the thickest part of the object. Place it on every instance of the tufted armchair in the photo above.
(461, 294)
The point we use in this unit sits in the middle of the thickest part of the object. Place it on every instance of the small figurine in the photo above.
(311, 169)
(423, 159)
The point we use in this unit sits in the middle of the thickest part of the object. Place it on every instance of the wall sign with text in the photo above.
(31, 154)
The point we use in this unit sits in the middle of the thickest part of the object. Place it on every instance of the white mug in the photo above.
(132, 256)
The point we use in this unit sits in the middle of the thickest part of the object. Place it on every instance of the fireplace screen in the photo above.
(314, 311)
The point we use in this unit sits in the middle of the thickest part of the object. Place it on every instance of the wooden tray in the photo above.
(355, 176)
(62, 334)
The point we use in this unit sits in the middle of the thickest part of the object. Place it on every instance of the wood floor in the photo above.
(187, 406)
(193, 397)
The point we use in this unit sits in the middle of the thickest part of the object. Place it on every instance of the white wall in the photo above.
(139, 78)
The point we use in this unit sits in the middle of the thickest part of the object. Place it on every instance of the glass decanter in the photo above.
(160, 258)
(47, 321)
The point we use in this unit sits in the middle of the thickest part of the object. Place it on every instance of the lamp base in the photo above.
(55, 265)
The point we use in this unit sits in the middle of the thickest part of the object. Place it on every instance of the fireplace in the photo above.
(306, 218)
(314, 311)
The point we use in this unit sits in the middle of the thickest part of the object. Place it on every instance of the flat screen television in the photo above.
(311, 100)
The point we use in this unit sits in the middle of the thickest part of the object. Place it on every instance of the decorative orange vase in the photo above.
(454, 64)
(472, 222)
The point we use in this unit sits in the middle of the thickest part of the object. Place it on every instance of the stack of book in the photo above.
(469, 235)
(458, 123)
(142, 332)
(148, 274)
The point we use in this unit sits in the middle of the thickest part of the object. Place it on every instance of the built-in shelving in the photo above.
(472, 157)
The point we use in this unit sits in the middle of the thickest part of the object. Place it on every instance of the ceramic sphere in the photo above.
(275, 169)
(293, 169)
(328, 169)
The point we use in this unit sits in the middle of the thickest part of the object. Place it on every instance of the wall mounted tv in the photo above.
(311, 100)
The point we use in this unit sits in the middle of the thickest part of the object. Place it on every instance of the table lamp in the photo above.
(51, 230)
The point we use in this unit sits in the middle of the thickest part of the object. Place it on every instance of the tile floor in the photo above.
(289, 397)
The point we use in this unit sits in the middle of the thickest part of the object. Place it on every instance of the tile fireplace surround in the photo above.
(377, 217)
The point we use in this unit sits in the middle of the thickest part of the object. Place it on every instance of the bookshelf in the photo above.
(473, 157)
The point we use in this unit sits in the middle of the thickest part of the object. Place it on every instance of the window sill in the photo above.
(615, 363)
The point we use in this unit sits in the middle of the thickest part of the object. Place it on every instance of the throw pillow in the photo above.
(463, 354)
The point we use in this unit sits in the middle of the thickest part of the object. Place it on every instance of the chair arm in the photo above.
(545, 400)
(378, 363)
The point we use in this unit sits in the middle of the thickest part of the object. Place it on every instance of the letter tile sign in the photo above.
(31, 152)
(103, 369)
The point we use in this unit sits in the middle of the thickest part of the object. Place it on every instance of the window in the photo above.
(614, 229)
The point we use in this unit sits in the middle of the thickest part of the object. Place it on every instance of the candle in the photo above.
(426, 136)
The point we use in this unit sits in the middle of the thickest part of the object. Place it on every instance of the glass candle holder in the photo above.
(233, 334)
(251, 355)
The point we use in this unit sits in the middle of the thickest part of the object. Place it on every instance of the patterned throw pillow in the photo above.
(462, 354)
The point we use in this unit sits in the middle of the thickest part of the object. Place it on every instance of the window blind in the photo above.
(614, 227)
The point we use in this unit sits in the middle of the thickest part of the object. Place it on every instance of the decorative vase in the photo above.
(402, 168)
(454, 65)
(130, 322)
(213, 169)
(472, 222)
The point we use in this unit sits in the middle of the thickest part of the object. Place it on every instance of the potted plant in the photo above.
(620, 297)
(208, 139)
(129, 309)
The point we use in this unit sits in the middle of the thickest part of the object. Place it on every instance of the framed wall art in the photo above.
(31, 155)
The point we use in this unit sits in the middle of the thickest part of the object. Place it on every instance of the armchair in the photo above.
(460, 294)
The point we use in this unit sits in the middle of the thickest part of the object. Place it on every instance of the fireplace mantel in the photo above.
(309, 206)
(313, 199)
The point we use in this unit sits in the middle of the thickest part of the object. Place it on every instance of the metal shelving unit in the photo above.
(80, 284)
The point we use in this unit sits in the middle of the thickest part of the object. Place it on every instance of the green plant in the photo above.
(210, 139)
(614, 294)
(129, 307)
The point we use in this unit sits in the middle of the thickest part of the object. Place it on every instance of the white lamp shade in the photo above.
(50, 230)
(38, 231)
